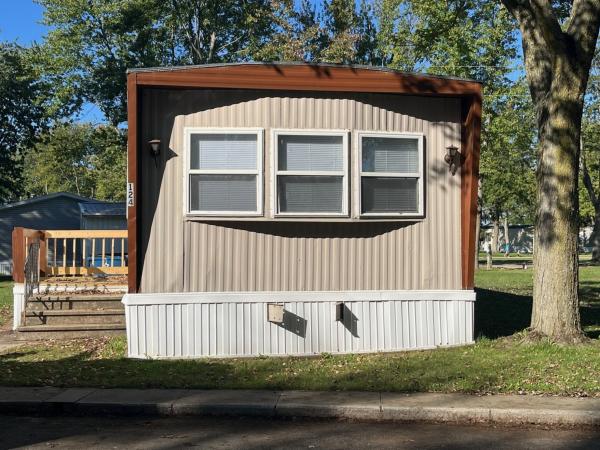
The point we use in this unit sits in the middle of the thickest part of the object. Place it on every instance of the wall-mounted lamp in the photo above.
(452, 158)
(154, 145)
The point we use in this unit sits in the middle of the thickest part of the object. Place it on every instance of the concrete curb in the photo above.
(363, 406)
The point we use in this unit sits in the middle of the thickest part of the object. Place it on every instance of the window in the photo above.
(224, 172)
(310, 173)
(391, 174)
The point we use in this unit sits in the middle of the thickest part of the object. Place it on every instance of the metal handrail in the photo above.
(31, 271)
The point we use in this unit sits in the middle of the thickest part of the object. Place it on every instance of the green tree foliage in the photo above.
(473, 39)
(209, 31)
(22, 114)
(297, 33)
(508, 159)
(589, 187)
(92, 43)
(464, 38)
(80, 158)
(340, 33)
(340, 36)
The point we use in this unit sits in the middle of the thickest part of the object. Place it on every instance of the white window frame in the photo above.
(418, 175)
(275, 172)
(259, 133)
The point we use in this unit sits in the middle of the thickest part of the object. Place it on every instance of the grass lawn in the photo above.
(495, 364)
(6, 298)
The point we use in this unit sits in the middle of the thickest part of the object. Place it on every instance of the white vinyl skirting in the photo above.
(233, 324)
(18, 304)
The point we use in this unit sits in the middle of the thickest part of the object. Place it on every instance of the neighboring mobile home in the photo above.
(57, 211)
(299, 209)
(103, 215)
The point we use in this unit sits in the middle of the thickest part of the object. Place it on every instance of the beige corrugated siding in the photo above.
(190, 255)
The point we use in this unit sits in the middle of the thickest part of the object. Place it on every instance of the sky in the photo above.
(20, 21)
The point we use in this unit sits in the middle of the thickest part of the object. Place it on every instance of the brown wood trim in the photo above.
(132, 177)
(59, 271)
(18, 255)
(471, 129)
(307, 78)
(83, 234)
(19, 250)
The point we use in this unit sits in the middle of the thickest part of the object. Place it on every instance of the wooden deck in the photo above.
(73, 282)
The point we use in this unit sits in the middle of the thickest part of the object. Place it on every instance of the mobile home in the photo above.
(58, 211)
(298, 209)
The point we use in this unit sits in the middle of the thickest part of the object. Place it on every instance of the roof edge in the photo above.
(296, 64)
(40, 198)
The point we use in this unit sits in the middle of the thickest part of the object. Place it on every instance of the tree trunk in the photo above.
(556, 303)
(495, 235)
(506, 236)
(557, 59)
(595, 238)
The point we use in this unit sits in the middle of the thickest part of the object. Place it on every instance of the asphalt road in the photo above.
(249, 433)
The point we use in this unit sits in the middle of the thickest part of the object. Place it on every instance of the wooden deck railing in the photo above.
(21, 239)
(72, 252)
(85, 252)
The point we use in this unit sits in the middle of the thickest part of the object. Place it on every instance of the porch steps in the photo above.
(72, 315)
(75, 316)
(73, 301)
(70, 331)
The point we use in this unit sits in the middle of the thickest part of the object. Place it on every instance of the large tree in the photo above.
(508, 161)
(340, 33)
(212, 31)
(297, 33)
(22, 114)
(82, 158)
(558, 54)
(91, 43)
(472, 39)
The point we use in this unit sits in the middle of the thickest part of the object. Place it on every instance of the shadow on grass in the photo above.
(589, 293)
(445, 370)
(498, 263)
(499, 313)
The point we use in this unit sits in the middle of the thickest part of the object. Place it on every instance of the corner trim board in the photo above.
(132, 177)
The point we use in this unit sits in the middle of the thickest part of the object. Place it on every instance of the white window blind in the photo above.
(391, 174)
(223, 192)
(224, 172)
(388, 195)
(390, 155)
(310, 173)
(306, 194)
(311, 153)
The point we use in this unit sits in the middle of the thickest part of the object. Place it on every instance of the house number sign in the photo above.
(130, 195)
